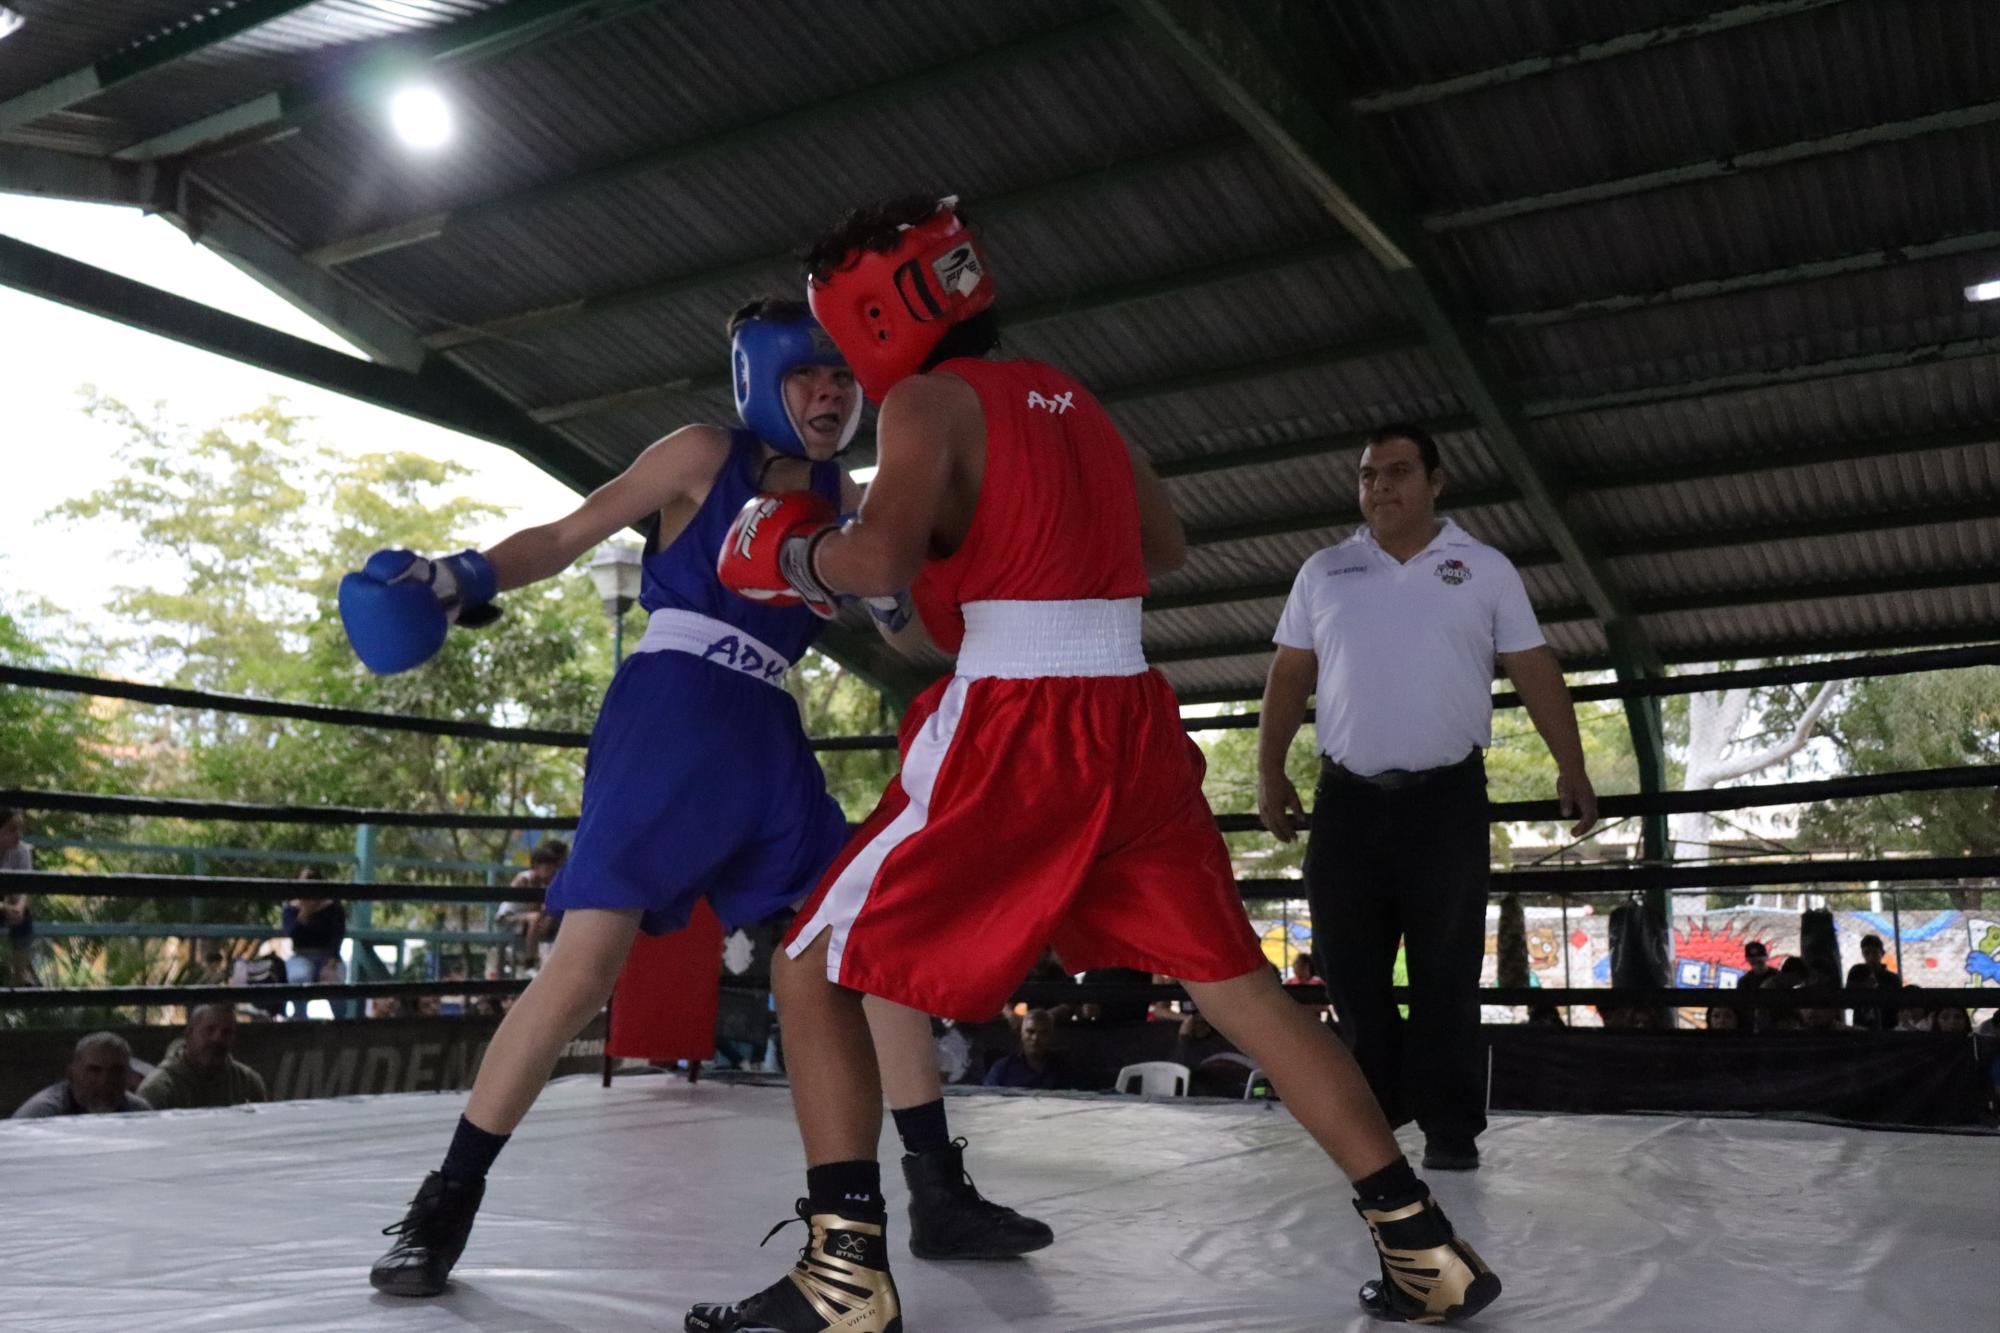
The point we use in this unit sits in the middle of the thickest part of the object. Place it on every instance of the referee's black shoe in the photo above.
(950, 1219)
(430, 1237)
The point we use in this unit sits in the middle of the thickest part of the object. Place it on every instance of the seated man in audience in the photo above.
(1871, 973)
(201, 1069)
(1721, 1018)
(1038, 1064)
(1757, 974)
(95, 1084)
(1953, 1020)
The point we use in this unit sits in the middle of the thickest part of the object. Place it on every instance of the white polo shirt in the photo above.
(1406, 650)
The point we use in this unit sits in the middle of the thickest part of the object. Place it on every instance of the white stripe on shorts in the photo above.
(844, 901)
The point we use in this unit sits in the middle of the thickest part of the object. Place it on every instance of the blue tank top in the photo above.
(683, 575)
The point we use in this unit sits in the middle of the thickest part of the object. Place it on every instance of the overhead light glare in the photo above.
(421, 117)
(10, 22)
(1984, 291)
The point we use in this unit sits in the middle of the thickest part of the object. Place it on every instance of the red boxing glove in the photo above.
(767, 555)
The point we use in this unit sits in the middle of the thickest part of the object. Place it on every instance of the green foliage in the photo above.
(48, 740)
(1891, 724)
(835, 702)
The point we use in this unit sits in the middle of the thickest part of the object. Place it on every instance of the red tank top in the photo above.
(1058, 515)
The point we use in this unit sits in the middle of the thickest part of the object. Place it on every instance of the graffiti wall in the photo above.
(1938, 948)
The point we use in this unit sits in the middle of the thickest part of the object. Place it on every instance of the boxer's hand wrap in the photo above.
(767, 555)
(397, 607)
(892, 613)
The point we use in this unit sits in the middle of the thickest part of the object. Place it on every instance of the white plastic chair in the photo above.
(1153, 1078)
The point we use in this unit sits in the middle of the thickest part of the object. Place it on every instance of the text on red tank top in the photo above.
(1058, 514)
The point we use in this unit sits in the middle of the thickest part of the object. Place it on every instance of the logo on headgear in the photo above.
(958, 270)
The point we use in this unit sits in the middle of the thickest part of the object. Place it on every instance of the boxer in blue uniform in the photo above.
(700, 781)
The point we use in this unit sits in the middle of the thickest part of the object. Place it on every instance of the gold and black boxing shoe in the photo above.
(1429, 1275)
(841, 1282)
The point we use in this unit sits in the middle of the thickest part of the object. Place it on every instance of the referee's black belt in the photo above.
(1399, 779)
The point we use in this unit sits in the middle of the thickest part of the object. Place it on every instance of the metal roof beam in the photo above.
(1062, 189)
(440, 394)
(1837, 368)
(1738, 651)
(1720, 168)
(1837, 590)
(1269, 67)
(812, 116)
(89, 180)
(1740, 464)
(1586, 53)
(1864, 261)
(495, 32)
(191, 37)
(1264, 454)
(1242, 372)
(1762, 534)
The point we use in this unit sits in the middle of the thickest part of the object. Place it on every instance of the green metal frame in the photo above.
(1709, 169)
(755, 268)
(496, 32)
(811, 116)
(1705, 289)
(193, 36)
(1272, 69)
(1586, 53)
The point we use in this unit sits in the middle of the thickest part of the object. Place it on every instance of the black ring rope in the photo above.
(1036, 993)
(1609, 807)
(1579, 881)
(1848, 668)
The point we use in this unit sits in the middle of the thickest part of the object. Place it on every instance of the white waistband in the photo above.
(1023, 640)
(671, 630)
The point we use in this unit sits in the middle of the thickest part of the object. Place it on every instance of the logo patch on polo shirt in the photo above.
(1454, 572)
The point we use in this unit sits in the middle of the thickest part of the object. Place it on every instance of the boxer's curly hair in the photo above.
(765, 307)
(875, 228)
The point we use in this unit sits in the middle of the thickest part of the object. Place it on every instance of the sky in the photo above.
(52, 452)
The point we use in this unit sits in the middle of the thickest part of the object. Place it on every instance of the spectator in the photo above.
(1952, 1019)
(201, 1069)
(1872, 974)
(1721, 1018)
(1545, 1016)
(15, 912)
(1398, 631)
(1038, 1064)
(317, 927)
(1303, 971)
(1991, 1027)
(1757, 975)
(1823, 1015)
(1913, 1015)
(95, 1085)
(536, 927)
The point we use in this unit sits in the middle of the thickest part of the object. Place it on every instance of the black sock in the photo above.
(472, 1152)
(923, 1127)
(1394, 1182)
(852, 1189)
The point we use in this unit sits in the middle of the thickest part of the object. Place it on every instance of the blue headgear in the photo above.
(761, 355)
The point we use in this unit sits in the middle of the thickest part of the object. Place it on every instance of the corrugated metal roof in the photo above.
(1179, 268)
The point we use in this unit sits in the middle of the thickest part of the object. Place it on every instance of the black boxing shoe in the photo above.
(950, 1219)
(430, 1237)
(1429, 1275)
(841, 1282)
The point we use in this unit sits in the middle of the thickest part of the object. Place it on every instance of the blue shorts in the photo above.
(699, 783)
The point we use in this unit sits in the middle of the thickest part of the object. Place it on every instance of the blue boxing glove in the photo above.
(397, 608)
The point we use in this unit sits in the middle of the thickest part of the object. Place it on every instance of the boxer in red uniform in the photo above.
(1048, 793)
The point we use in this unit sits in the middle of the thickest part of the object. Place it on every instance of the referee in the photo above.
(1397, 630)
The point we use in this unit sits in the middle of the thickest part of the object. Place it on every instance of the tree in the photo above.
(1893, 724)
(1718, 752)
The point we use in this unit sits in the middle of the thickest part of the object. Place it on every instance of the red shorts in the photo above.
(1062, 811)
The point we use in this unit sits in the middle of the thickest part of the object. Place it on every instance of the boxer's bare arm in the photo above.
(926, 484)
(676, 469)
(913, 640)
(1162, 539)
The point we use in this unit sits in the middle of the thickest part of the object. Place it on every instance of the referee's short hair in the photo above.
(1427, 448)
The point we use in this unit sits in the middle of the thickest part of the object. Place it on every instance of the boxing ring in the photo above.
(613, 1210)
(618, 1205)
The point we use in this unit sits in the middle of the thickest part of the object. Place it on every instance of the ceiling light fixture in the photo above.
(421, 117)
(9, 21)
(1984, 291)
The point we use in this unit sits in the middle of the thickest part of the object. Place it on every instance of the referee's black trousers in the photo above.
(1409, 865)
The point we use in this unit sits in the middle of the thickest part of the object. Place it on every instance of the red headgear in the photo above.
(888, 310)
